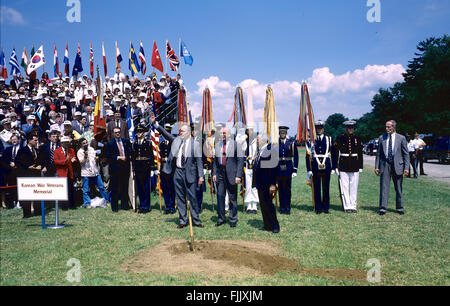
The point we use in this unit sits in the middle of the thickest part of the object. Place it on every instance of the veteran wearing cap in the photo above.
(143, 164)
(286, 169)
(349, 149)
(320, 164)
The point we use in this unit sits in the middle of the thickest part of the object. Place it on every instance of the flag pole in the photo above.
(165, 67)
(179, 45)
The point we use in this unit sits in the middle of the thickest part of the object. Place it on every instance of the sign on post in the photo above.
(43, 189)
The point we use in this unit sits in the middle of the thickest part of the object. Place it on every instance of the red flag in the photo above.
(156, 59)
(104, 59)
(92, 62)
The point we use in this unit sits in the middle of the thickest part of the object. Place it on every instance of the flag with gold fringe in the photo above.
(270, 117)
(99, 112)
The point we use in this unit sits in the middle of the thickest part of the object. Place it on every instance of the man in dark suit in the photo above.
(392, 161)
(30, 163)
(10, 169)
(119, 123)
(228, 168)
(49, 149)
(118, 152)
(264, 180)
(184, 163)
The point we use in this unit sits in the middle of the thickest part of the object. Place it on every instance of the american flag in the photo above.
(142, 58)
(155, 146)
(173, 59)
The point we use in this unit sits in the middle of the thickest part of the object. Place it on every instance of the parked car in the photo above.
(371, 147)
(437, 148)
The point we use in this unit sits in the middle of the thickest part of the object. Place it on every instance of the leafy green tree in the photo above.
(333, 125)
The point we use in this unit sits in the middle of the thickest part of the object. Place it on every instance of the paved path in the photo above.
(433, 169)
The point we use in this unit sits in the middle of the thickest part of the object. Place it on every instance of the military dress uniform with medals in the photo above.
(167, 184)
(143, 163)
(285, 170)
(349, 149)
(321, 162)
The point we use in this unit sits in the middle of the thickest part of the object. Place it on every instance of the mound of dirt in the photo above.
(224, 258)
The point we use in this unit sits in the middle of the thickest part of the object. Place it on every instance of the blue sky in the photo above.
(344, 58)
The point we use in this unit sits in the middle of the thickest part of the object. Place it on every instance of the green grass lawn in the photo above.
(413, 249)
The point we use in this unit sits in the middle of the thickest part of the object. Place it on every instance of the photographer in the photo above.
(89, 172)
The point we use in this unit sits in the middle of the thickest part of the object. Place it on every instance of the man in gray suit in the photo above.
(392, 161)
(228, 168)
(184, 163)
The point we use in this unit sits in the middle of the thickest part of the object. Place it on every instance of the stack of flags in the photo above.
(137, 62)
(270, 117)
(238, 115)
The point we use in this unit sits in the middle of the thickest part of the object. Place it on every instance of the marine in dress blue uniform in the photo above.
(320, 164)
(167, 183)
(143, 163)
(286, 170)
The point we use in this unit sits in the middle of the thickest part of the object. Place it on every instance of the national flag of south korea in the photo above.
(55, 62)
(36, 61)
(104, 59)
(91, 61)
(66, 60)
(118, 56)
(142, 58)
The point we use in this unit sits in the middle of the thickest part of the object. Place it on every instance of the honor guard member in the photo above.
(320, 164)
(251, 151)
(143, 163)
(349, 149)
(167, 183)
(286, 169)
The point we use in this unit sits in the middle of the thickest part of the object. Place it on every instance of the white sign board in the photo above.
(42, 188)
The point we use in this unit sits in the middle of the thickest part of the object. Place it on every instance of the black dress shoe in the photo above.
(263, 229)
(220, 223)
(325, 211)
(255, 212)
(26, 216)
(199, 225)
(181, 225)
(166, 212)
(381, 212)
(318, 212)
(276, 230)
(233, 224)
(400, 212)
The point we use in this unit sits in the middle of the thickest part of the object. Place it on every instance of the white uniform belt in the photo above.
(322, 155)
(348, 155)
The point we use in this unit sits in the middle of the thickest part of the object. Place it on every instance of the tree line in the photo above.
(421, 103)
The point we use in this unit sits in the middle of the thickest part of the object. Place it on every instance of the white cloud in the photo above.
(349, 93)
(11, 16)
(323, 81)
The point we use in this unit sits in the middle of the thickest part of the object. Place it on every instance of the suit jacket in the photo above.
(399, 152)
(193, 166)
(64, 168)
(25, 159)
(112, 152)
(123, 129)
(234, 161)
(265, 169)
(49, 164)
(7, 158)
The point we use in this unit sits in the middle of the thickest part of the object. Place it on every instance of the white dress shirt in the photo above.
(89, 166)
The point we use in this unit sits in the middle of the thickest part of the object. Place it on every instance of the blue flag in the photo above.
(78, 67)
(130, 124)
(133, 63)
(14, 64)
(188, 60)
